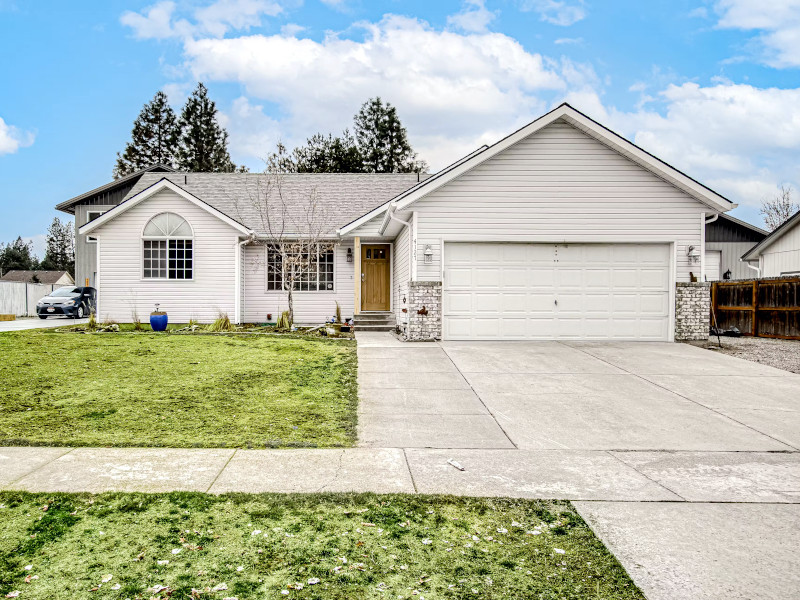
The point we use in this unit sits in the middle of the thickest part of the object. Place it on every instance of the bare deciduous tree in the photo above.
(295, 229)
(776, 210)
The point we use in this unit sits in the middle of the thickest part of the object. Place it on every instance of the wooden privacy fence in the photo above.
(758, 307)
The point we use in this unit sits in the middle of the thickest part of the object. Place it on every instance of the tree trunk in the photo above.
(291, 305)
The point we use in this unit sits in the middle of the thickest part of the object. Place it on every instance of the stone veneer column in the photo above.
(692, 311)
(427, 294)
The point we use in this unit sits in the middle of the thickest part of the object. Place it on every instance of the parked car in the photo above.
(74, 302)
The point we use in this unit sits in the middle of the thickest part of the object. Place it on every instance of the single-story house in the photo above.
(778, 254)
(46, 277)
(561, 230)
(727, 238)
(90, 205)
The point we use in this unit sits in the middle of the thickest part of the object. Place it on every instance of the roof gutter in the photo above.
(390, 216)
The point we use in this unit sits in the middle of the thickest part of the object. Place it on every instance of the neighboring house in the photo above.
(779, 253)
(46, 277)
(91, 205)
(562, 230)
(727, 238)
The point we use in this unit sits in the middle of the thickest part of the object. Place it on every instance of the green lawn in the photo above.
(146, 389)
(328, 547)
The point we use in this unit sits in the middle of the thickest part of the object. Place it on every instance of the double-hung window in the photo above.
(311, 271)
(167, 248)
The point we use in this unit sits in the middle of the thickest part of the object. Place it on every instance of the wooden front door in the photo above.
(375, 275)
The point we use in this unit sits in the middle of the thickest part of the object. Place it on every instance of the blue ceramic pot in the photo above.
(158, 322)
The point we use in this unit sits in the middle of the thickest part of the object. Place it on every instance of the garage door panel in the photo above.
(459, 277)
(488, 302)
(597, 278)
(653, 278)
(569, 277)
(542, 278)
(514, 303)
(514, 277)
(654, 304)
(458, 302)
(546, 291)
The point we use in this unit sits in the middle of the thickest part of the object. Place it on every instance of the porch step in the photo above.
(382, 327)
(375, 321)
(374, 318)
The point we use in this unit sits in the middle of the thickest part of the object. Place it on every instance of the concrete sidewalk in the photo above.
(593, 475)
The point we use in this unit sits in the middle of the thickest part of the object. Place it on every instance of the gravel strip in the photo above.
(781, 354)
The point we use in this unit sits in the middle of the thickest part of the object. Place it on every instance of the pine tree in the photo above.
(203, 143)
(60, 252)
(154, 138)
(329, 154)
(18, 255)
(383, 141)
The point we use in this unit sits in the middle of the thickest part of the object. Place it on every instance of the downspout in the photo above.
(756, 269)
(712, 219)
(239, 281)
(390, 213)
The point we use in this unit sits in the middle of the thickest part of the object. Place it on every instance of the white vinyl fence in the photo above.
(20, 298)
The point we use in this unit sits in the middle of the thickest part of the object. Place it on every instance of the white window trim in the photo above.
(100, 213)
(167, 238)
(294, 292)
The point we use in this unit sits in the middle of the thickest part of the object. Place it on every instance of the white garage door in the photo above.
(547, 291)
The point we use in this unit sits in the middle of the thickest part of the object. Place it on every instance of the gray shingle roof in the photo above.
(68, 205)
(48, 277)
(343, 197)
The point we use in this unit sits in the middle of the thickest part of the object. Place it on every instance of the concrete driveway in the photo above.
(579, 396)
(37, 323)
(683, 461)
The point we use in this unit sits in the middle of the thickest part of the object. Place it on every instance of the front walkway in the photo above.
(684, 462)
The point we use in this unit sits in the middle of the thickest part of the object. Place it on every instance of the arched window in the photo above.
(167, 248)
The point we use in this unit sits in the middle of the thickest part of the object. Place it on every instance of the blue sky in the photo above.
(711, 86)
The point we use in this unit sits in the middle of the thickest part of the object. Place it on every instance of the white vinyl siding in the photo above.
(730, 253)
(783, 256)
(310, 308)
(558, 185)
(369, 229)
(123, 290)
(556, 291)
(401, 271)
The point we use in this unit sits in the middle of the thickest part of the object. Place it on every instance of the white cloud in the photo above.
(557, 12)
(474, 17)
(160, 21)
(561, 41)
(12, 138)
(738, 139)
(253, 135)
(779, 21)
(224, 15)
(155, 22)
(445, 84)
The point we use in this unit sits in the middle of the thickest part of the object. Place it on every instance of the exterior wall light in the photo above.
(349, 255)
(693, 254)
(428, 254)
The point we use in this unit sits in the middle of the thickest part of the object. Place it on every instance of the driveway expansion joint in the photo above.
(225, 466)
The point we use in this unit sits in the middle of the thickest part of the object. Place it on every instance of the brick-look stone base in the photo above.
(426, 294)
(692, 311)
